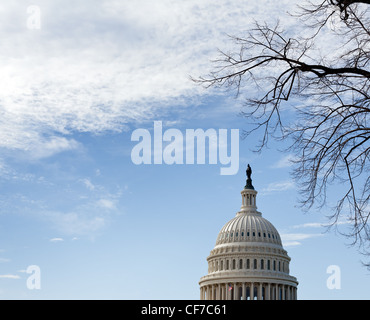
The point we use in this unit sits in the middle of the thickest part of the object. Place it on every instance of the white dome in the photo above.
(249, 228)
(248, 260)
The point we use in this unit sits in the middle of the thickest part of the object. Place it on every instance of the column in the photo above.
(283, 292)
(260, 291)
(252, 291)
(267, 291)
(235, 291)
(243, 292)
(276, 291)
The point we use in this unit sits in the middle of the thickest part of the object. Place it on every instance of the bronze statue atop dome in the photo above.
(249, 180)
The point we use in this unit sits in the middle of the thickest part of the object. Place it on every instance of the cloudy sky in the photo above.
(77, 78)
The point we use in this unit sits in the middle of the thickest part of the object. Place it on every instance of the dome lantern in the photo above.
(249, 195)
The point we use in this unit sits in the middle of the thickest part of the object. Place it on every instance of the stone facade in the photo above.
(248, 261)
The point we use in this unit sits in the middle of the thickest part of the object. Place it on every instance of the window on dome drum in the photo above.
(234, 264)
(262, 264)
(269, 235)
(242, 233)
(259, 234)
(248, 266)
(236, 234)
(255, 264)
(247, 233)
(227, 264)
(254, 234)
(264, 235)
(274, 265)
(268, 264)
(222, 265)
(241, 264)
(279, 265)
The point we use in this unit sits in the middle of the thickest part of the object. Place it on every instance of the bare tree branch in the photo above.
(331, 134)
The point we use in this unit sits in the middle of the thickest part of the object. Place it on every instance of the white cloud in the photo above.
(88, 184)
(106, 204)
(291, 243)
(3, 260)
(9, 276)
(99, 66)
(56, 240)
(294, 239)
(309, 225)
(50, 146)
(76, 223)
(284, 162)
(278, 186)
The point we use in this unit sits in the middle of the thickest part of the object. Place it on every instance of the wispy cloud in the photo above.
(99, 67)
(56, 240)
(278, 187)
(106, 204)
(308, 225)
(88, 184)
(9, 276)
(75, 223)
(284, 162)
(295, 239)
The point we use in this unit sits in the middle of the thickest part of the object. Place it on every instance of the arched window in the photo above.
(279, 265)
(268, 264)
(227, 264)
(234, 264)
(262, 264)
(241, 264)
(255, 264)
(248, 266)
(222, 265)
(274, 264)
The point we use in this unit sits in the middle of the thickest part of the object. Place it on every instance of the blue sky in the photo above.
(73, 203)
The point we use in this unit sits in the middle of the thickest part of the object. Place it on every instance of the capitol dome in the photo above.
(248, 228)
(248, 261)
